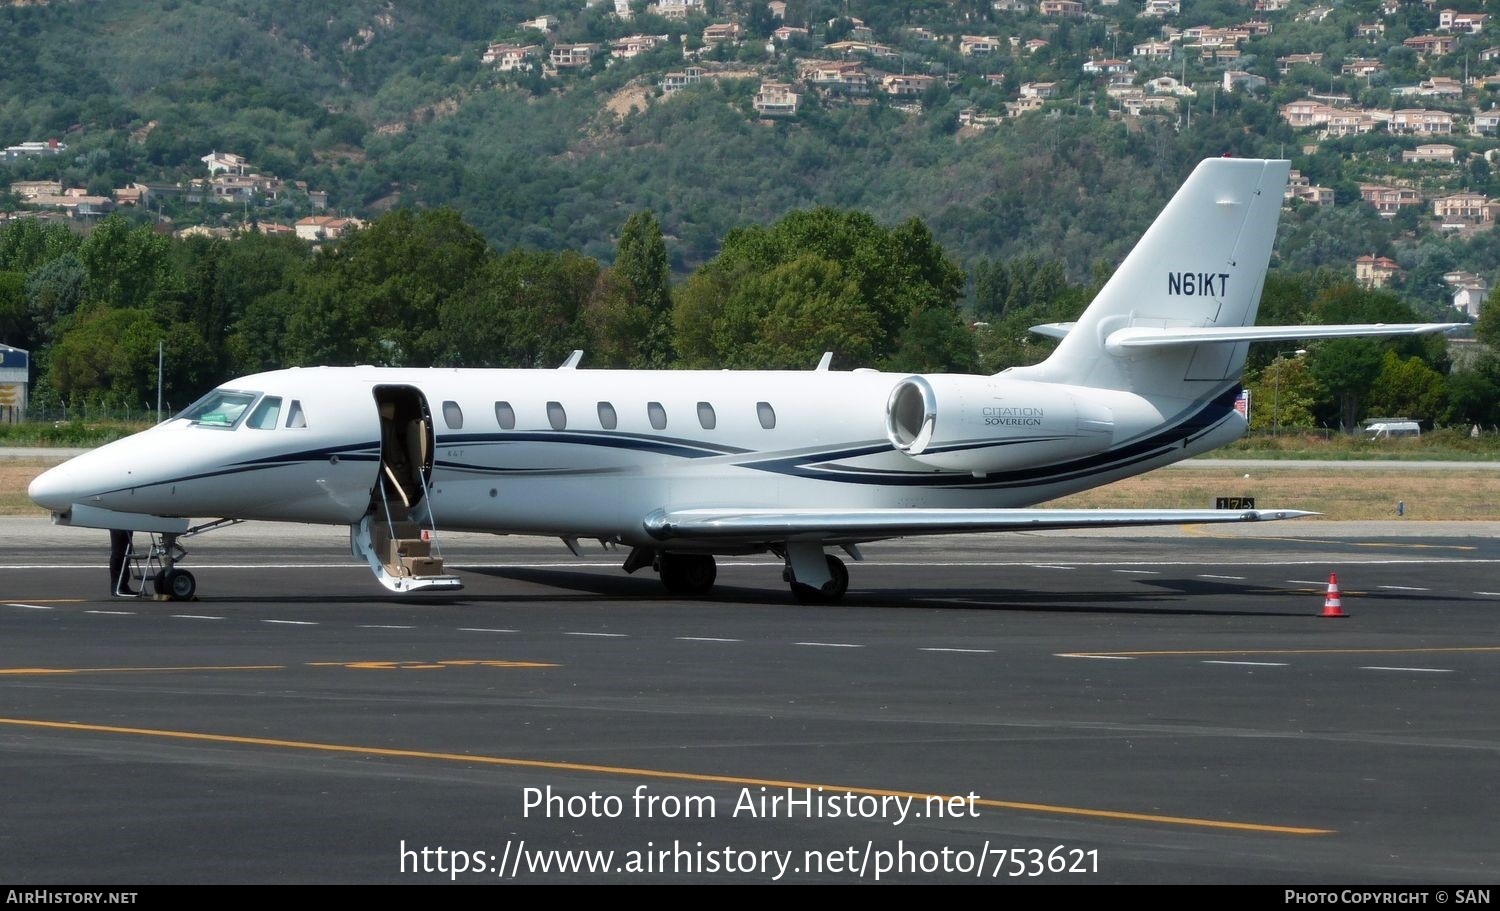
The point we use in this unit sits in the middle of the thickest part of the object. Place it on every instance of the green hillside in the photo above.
(388, 103)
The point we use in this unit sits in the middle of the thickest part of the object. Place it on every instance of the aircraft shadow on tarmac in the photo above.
(1156, 596)
(592, 586)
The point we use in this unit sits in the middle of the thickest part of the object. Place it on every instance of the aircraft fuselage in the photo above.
(589, 453)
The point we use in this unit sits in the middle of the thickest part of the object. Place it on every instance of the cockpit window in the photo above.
(220, 408)
(266, 414)
(294, 415)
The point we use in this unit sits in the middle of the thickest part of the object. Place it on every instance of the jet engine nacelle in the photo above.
(983, 424)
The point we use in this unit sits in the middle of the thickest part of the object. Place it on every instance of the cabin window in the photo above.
(294, 416)
(220, 408)
(706, 415)
(266, 414)
(607, 417)
(657, 415)
(767, 415)
(505, 416)
(557, 416)
(453, 416)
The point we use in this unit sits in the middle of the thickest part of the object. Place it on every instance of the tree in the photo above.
(814, 307)
(1407, 387)
(641, 260)
(109, 355)
(846, 265)
(1474, 394)
(15, 319)
(1487, 328)
(26, 244)
(991, 288)
(936, 341)
(1346, 367)
(524, 309)
(618, 328)
(1284, 394)
(377, 296)
(124, 265)
(53, 292)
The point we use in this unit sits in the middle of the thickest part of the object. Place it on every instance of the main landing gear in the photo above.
(830, 592)
(823, 577)
(687, 574)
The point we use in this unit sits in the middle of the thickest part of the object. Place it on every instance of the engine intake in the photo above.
(983, 424)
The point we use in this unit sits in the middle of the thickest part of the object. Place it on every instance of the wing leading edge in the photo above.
(835, 526)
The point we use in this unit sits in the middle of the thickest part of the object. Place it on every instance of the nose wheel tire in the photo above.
(177, 585)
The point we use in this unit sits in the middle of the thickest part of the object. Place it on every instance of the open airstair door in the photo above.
(398, 534)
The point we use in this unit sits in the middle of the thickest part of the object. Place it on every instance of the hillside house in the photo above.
(1421, 121)
(1299, 187)
(1153, 50)
(676, 9)
(1451, 20)
(676, 82)
(1433, 153)
(777, 99)
(978, 45)
(508, 58)
(1432, 45)
(913, 86)
(1469, 292)
(1284, 64)
(1061, 9)
(1375, 271)
(1239, 79)
(325, 227)
(1389, 200)
(225, 163)
(572, 56)
(1461, 209)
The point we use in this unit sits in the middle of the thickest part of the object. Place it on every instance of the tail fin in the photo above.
(1201, 264)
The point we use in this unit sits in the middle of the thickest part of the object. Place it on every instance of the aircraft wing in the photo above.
(835, 526)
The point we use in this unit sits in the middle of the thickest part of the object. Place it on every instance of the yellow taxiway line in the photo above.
(658, 774)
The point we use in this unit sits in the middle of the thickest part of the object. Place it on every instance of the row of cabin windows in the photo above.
(557, 416)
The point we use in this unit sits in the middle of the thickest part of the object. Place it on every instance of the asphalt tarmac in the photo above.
(1167, 706)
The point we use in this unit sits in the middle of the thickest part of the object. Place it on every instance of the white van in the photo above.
(1385, 430)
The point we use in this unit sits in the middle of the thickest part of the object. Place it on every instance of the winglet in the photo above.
(825, 361)
(572, 360)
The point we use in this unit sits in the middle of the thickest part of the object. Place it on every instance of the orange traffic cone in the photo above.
(1333, 603)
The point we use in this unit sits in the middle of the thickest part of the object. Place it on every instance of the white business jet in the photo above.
(680, 466)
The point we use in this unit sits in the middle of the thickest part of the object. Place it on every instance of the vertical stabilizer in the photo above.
(1201, 264)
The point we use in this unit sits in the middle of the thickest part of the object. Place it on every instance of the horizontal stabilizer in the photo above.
(840, 525)
(1155, 337)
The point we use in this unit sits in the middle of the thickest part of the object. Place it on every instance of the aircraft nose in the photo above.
(54, 489)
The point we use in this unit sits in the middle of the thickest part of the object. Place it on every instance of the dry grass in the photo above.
(15, 474)
(1337, 493)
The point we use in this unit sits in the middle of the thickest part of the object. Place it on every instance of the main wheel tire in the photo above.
(177, 585)
(834, 593)
(688, 574)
